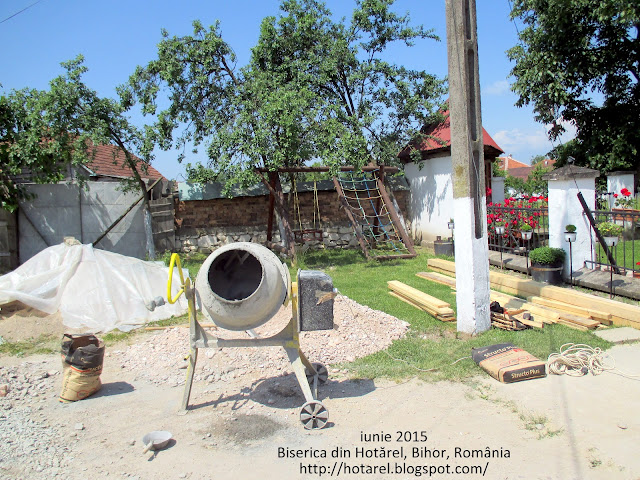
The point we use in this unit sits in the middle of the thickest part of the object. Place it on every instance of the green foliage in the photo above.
(315, 88)
(570, 228)
(547, 255)
(525, 227)
(609, 229)
(46, 131)
(572, 54)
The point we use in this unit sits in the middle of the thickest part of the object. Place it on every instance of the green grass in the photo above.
(428, 351)
(430, 344)
(626, 254)
(23, 348)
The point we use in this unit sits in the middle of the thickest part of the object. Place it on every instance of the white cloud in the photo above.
(514, 141)
(497, 88)
(525, 144)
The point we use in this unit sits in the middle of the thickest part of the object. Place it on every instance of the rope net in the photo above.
(372, 215)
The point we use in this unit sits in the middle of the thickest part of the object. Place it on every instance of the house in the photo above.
(518, 169)
(431, 199)
(67, 209)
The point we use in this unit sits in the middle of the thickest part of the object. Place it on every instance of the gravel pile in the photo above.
(36, 447)
(358, 331)
(29, 444)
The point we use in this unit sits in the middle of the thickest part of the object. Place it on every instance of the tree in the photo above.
(315, 89)
(579, 62)
(44, 132)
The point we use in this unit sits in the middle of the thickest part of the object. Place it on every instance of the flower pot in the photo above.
(570, 236)
(443, 247)
(526, 234)
(611, 241)
(551, 274)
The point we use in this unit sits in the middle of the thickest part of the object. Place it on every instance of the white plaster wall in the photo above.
(431, 199)
(564, 209)
(618, 181)
(497, 189)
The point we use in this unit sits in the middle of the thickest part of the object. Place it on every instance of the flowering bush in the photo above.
(626, 200)
(516, 212)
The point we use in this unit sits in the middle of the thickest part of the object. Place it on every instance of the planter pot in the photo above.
(547, 273)
(570, 236)
(443, 247)
(620, 214)
(526, 235)
(611, 241)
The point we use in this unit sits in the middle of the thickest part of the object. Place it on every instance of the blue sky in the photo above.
(117, 35)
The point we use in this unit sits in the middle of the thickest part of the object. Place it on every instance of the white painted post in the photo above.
(497, 189)
(565, 208)
(616, 181)
(467, 153)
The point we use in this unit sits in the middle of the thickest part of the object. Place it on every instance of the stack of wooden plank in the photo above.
(438, 278)
(552, 304)
(432, 305)
(504, 321)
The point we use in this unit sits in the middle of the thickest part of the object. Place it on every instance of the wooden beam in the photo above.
(394, 216)
(622, 314)
(272, 199)
(354, 225)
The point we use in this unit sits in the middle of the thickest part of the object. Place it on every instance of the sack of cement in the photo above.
(82, 357)
(507, 363)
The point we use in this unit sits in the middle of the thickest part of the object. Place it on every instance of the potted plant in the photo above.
(570, 233)
(547, 264)
(450, 224)
(526, 231)
(610, 231)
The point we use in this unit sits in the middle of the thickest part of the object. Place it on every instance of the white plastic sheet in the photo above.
(94, 290)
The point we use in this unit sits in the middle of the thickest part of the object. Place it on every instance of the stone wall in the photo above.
(204, 225)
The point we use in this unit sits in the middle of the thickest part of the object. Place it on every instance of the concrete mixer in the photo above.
(241, 286)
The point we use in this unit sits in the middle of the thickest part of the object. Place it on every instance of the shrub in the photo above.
(608, 229)
(570, 228)
(547, 255)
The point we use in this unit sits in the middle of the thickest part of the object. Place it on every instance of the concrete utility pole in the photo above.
(467, 153)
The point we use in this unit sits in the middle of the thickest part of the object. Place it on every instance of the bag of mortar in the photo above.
(82, 357)
(507, 363)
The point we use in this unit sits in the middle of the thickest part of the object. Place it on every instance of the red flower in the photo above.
(625, 192)
(615, 195)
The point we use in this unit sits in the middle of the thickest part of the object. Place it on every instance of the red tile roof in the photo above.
(104, 164)
(508, 163)
(440, 140)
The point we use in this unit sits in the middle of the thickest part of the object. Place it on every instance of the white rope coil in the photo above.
(577, 360)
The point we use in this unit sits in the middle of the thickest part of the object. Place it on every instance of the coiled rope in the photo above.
(579, 359)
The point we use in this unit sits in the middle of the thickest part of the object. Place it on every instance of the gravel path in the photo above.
(36, 441)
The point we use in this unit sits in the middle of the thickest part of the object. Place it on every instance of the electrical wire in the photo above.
(20, 11)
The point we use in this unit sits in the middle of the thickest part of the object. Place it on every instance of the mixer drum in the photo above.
(242, 285)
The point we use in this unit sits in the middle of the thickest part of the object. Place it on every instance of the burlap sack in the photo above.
(82, 357)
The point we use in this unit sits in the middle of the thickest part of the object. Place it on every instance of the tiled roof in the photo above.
(508, 163)
(440, 139)
(104, 164)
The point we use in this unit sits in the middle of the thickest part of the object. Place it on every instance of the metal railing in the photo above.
(513, 240)
(626, 252)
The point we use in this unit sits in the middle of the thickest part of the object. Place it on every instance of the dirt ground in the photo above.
(244, 422)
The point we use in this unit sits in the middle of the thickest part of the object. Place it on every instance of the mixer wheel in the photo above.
(314, 415)
(323, 373)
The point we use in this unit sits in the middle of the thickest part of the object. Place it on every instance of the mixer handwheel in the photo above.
(323, 373)
(314, 415)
